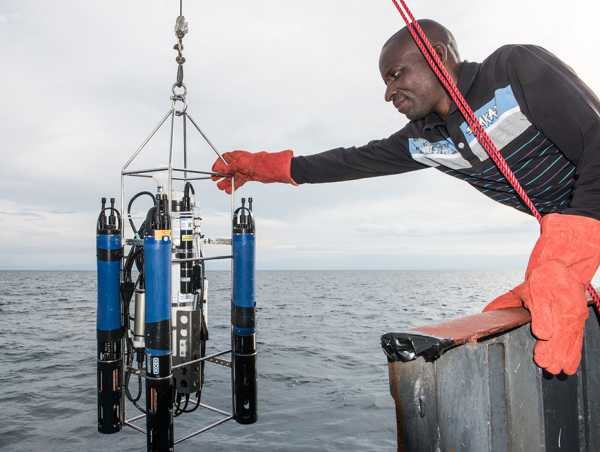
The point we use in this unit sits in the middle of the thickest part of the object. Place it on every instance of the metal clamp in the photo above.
(181, 27)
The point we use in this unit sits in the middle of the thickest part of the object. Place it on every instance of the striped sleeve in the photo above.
(559, 103)
(377, 158)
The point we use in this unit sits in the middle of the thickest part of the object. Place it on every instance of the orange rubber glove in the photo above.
(247, 166)
(562, 264)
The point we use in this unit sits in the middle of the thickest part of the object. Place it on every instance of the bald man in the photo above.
(543, 119)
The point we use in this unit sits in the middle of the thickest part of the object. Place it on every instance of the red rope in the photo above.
(484, 139)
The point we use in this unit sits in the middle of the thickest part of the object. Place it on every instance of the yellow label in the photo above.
(187, 238)
(160, 233)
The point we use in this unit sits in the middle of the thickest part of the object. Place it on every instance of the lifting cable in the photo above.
(484, 139)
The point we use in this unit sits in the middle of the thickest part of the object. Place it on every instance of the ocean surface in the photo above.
(322, 384)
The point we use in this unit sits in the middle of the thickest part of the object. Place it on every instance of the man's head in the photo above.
(410, 84)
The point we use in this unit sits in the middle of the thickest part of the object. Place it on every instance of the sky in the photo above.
(83, 83)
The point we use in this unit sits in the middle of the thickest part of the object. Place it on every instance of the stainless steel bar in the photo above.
(142, 373)
(135, 427)
(231, 282)
(185, 145)
(190, 178)
(194, 259)
(208, 241)
(135, 154)
(142, 171)
(133, 419)
(122, 206)
(123, 347)
(216, 410)
(140, 175)
(205, 137)
(122, 382)
(210, 173)
(202, 430)
(170, 177)
(219, 362)
(194, 361)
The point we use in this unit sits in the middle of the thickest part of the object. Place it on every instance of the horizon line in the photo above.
(285, 269)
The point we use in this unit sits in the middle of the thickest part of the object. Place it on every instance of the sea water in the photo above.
(322, 376)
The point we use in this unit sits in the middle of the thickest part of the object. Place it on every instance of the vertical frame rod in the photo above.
(170, 180)
(185, 147)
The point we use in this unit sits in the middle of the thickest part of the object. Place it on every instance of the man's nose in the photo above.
(390, 91)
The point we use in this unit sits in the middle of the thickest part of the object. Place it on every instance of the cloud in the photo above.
(404, 233)
(45, 238)
(266, 75)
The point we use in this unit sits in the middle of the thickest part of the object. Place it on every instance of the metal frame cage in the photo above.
(163, 259)
(174, 174)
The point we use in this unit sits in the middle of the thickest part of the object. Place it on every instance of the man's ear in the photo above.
(441, 50)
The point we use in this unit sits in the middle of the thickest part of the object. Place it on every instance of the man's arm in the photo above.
(377, 158)
(566, 110)
(567, 254)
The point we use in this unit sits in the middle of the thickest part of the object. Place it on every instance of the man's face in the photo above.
(410, 84)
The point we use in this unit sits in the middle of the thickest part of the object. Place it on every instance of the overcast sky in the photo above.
(83, 83)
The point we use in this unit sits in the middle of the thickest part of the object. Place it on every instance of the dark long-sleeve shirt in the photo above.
(544, 120)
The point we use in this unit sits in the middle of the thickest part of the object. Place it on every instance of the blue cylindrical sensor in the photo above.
(109, 325)
(157, 274)
(243, 307)
(108, 314)
(159, 377)
(244, 301)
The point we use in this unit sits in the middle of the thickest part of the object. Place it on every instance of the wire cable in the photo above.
(131, 201)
